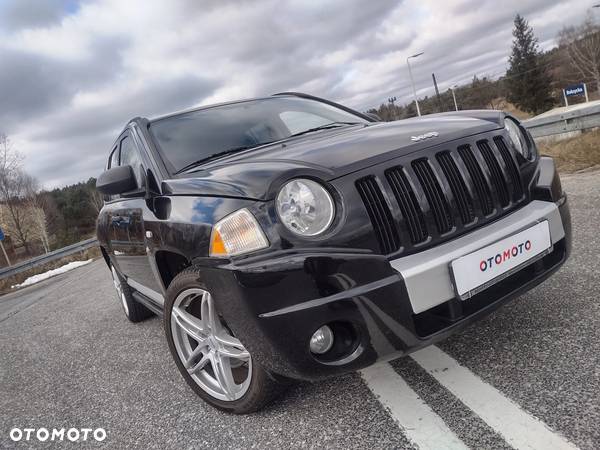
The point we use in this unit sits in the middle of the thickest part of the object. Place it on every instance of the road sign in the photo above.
(2, 246)
(575, 90)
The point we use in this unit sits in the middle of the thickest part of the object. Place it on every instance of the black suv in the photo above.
(290, 237)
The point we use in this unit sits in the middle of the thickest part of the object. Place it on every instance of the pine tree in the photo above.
(528, 81)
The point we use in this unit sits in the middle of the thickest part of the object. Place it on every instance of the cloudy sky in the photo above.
(73, 72)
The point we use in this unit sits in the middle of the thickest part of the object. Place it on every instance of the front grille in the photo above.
(379, 213)
(440, 193)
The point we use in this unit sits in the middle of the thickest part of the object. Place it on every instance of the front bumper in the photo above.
(420, 269)
(393, 307)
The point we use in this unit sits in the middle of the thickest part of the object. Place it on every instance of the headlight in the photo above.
(236, 234)
(517, 138)
(305, 207)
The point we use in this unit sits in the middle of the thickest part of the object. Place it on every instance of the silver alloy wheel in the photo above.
(215, 359)
(119, 288)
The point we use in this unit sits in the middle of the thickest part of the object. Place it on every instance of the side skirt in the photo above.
(148, 303)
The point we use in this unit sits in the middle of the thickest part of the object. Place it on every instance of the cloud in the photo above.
(34, 85)
(73, 73)
(33, 13)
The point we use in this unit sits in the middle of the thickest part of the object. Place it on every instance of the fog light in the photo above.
(322, 340)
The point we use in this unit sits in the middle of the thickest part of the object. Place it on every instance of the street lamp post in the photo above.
(454, 97)
(412, 82)
(392, 101)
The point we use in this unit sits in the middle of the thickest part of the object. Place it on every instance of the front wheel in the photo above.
(211, 359)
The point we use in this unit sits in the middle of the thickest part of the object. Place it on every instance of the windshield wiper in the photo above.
(218, 155)
(326, 126)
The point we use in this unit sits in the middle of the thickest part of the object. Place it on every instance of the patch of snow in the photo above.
(43, 276)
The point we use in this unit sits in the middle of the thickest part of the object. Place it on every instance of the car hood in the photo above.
(258, 173)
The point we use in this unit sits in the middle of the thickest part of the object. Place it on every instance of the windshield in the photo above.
(201, 135)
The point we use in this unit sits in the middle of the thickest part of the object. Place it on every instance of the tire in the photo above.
(256, 386)
(134, 311)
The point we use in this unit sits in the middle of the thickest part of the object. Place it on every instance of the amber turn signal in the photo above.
(237, 234)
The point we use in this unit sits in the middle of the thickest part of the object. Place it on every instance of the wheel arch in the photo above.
(170, 264)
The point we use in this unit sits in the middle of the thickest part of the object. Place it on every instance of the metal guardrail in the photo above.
(579, 118)
(56, 254)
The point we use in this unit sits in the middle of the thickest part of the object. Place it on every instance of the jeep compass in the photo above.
(290, 237)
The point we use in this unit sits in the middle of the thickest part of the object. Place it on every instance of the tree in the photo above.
(54, 221)
(582, 45)
(96, 198)
(34, 201)
(13, 191)
(20, 219)
(528, 81)
(481, 93)
(56, 218)
(10, 159)
(77, 211)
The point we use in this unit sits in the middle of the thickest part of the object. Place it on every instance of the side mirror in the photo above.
(117, 180)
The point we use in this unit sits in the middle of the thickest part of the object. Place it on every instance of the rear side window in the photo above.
(113, 161)
(131, 157)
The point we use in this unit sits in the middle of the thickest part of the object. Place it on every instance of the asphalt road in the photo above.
(528, 375)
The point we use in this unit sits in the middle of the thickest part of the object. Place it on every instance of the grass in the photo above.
(504, 105)
(576, 153)
(6, 283)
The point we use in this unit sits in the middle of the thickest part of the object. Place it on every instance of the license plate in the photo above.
(478, 270)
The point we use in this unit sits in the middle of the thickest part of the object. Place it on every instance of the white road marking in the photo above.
(422, 426)
(517, 427)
